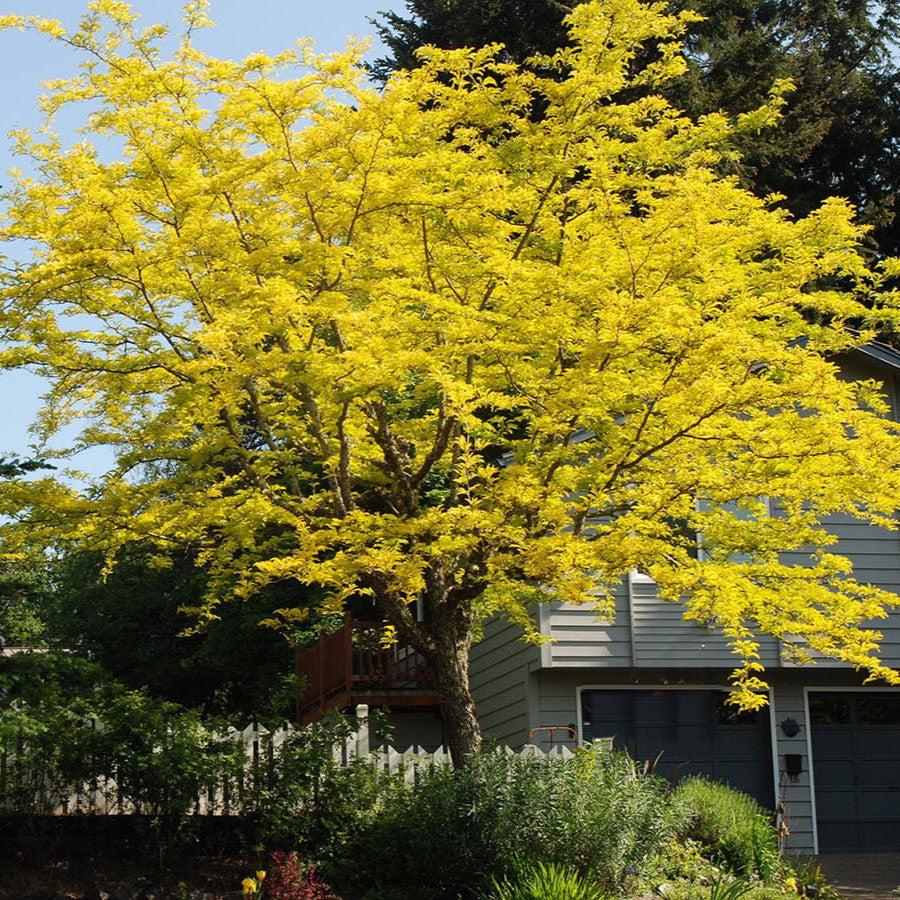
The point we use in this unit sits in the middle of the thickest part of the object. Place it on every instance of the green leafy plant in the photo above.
(69, 724)
(808, 878)
(546, 881)
(459, 829)
(680, 860)
(311, 802)
(732, 825)
(728, 888)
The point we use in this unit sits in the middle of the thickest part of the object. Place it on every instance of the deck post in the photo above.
(348, 653)
(320, 669)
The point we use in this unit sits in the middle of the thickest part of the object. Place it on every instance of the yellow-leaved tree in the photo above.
(488, 337)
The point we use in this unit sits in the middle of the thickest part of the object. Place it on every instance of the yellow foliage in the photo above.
(432, 342)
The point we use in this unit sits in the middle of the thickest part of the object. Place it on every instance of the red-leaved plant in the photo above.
(286, 880)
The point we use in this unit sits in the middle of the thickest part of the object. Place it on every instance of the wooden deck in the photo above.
(349, 666)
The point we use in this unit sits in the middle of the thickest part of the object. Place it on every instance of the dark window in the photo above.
(684, 535)
(880, 709)
(829, 709)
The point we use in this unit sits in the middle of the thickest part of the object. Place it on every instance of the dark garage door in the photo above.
(692, 732)
(856, 768)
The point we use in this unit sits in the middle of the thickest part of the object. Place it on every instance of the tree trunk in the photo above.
(450, 662)
(444, 641)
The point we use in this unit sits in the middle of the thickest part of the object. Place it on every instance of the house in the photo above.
(827, 747)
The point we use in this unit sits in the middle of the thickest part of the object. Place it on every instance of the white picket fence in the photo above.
(263, 750)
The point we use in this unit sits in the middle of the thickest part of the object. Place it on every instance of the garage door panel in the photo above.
(686, 743)
(875, 837)
(831, 742)
(677, 770)
(876, 742)
(878, 773)
(880, 709)
(856, 767)
(733, 743)
(835, 772)
(692, 733)
(880, 805)
(676, 708)
(742, 775)
(834, 836)
(836, 804)
(612, 708)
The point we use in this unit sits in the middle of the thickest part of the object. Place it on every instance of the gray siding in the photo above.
(556, 704)
(790, 704)
(663, 637)
(498, 671)
(580, 638)
(875, 554)
(646, 631)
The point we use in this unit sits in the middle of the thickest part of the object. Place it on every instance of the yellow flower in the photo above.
(250, 886)
(261, 876)
(791, 884)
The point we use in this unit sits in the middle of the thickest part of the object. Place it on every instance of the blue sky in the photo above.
(242, 27)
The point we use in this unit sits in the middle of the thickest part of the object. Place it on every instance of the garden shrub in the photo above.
(546, 881)
(726, 888)
(732, 825)
(286, 879)
(458, 829)
(311, 802)
(66, 723)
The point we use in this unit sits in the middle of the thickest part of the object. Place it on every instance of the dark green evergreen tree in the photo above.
(841, 130)
(524, 27)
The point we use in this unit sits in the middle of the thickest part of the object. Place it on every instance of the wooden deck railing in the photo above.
(351, 666)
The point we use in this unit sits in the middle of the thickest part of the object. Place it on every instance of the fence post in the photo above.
(362, 730)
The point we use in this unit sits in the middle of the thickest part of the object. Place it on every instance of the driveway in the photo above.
(863, 876)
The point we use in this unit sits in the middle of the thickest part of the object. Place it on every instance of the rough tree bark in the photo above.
(450, 662)
(444, 641)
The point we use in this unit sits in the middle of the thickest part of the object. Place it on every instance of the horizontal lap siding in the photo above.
(649, 632)
(581, 638)
(789, 704)
(498, 671)
(654, 632)
(663, 637)
(556, 704)
(875, 554)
